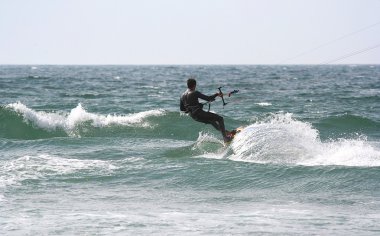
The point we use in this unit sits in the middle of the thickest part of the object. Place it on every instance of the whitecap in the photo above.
(68, 121)
(44, 120)
(264, 104)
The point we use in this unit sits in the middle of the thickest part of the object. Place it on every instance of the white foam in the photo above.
(48, 121)
(43, 165)
(78, 115)
(346, 153)
(264, 104)
(284, 140)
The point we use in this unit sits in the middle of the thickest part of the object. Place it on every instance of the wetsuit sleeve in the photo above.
(181, 105)
(206, 98)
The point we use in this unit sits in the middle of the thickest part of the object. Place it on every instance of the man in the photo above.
(189, 103)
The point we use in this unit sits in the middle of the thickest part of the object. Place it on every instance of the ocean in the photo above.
(104, 150)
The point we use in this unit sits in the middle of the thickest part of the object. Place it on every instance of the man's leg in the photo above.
(211, 118)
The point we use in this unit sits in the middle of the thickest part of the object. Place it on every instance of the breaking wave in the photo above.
(19, 121)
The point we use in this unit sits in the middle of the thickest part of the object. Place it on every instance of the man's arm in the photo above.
(207, 98)
(182, 105)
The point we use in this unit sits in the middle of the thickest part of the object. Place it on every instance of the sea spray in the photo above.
(281, 139)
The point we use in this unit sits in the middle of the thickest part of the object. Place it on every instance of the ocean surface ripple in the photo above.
(104, 150)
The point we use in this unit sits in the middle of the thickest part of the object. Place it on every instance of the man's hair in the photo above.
(191, 82)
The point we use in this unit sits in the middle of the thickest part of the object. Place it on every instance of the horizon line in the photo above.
(168, 64)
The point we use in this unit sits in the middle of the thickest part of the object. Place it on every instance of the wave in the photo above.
(278, 139)
(42, 166)
(20, 121)
(348, 123)
(281, 139)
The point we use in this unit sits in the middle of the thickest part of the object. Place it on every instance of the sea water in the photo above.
(104, 150)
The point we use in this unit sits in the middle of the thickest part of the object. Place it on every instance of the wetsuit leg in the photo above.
(210, 118)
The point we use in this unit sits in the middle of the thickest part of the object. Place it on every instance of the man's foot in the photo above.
(231, 133)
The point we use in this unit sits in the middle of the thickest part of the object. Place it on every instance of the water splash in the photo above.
(281, 139)
(208, 144)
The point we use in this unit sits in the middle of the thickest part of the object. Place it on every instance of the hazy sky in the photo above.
(189, 31)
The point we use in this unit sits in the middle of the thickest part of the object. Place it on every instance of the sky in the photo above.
(134, 32)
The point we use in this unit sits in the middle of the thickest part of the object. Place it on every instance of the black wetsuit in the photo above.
(189, 103)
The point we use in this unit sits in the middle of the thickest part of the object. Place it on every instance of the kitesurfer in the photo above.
(190, 104)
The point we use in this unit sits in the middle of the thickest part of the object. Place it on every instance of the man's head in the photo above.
(191, 83)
